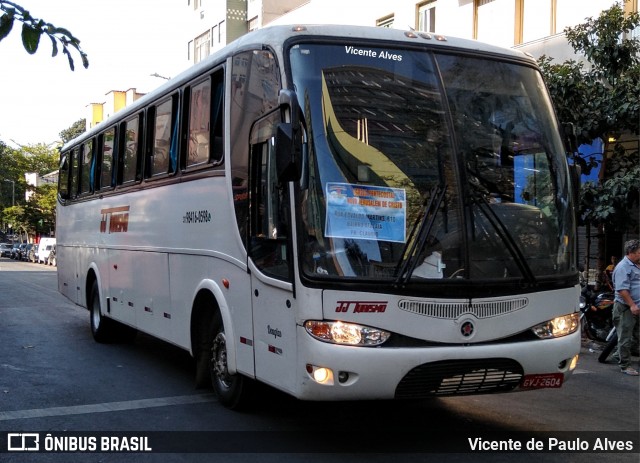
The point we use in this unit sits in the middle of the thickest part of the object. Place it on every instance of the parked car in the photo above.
(44, 248)
(20, 252)
(51, 260)
(5, 249)
(29, 252)
(15, 249)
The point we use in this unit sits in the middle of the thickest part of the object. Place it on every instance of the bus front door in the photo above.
(271, 271)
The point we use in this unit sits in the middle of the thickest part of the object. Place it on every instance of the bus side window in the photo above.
(107, 158)
(217, 114)
(206, 103)
(87, 168)
(75, 173)
(130, 148)
(199, 124)
(63, 176)
(163, 126)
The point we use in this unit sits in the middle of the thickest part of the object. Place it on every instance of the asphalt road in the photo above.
(54, 379)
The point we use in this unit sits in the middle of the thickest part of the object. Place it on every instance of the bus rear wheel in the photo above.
(233, 390)
(101, 327)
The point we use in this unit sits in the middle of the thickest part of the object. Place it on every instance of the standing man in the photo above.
(626, 279)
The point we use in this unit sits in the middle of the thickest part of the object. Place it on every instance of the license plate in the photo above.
(542, 381)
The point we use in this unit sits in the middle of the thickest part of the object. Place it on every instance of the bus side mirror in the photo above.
(288, 139)
(288, 153)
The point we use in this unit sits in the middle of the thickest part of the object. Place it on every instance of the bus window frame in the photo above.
(82, 192)
(74, 172)
(63, 175)
(122, 148)
(215, 158)
(150, 139)
(114, 158)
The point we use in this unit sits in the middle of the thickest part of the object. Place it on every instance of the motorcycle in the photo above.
(612, 342)
(596, 315)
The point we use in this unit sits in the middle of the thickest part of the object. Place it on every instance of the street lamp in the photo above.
(13, 188)
(155, 74)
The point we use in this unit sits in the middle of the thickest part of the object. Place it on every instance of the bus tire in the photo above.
(102, 328)
(234, 391)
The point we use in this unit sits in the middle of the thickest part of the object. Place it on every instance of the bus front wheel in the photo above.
(233, 390)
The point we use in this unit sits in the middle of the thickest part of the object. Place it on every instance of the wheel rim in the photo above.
(219, 367)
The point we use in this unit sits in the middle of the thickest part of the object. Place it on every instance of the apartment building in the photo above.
(534, 25)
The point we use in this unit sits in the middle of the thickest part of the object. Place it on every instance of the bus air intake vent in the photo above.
(453, 310)
(460, 377)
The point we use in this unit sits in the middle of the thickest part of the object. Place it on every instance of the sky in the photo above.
(126, 41)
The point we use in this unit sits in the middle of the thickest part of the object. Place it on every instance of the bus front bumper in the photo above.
(337, 372)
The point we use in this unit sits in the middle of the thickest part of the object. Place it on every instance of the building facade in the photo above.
(535, 26)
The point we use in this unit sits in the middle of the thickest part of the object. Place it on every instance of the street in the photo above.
(55, 379)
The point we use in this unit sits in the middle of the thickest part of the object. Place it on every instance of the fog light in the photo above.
(343, 377)
(574, 363)
(320, 375)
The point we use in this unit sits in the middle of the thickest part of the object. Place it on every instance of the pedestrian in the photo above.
(626, 280)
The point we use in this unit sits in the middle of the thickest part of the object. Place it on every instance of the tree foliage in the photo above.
(38, 214)
(599, 96)
(77, 128)
(33, 29)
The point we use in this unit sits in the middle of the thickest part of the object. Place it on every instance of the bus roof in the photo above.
(276, 36)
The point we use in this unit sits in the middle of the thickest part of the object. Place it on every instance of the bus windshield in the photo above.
(423, 167)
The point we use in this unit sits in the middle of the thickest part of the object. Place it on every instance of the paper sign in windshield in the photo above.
(365, 212)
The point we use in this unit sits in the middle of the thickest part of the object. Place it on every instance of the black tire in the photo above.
(608, 348)
(234, 391)
(101, 327)
(104, 329)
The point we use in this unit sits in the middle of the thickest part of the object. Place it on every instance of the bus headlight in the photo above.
(558, 327)
(346, 333)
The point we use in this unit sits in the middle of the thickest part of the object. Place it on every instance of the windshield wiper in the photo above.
(505, 236)
(423, 224)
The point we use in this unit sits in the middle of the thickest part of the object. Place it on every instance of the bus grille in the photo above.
(460, 377)
(453, 310)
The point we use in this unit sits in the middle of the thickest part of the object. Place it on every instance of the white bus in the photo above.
(338, 212)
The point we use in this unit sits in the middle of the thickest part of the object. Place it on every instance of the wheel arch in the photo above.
(207, 300)
(93, 274)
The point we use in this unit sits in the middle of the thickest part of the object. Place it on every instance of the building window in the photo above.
(490, 13)
(202, 47)
(222, 33)
(387, 21)
(253, 24)
(427, 16)
(569, 13)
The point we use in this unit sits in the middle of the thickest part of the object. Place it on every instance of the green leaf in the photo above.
(30, 38)
(65, 50)
(54, 46)
(6, 23)
(85, 60)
